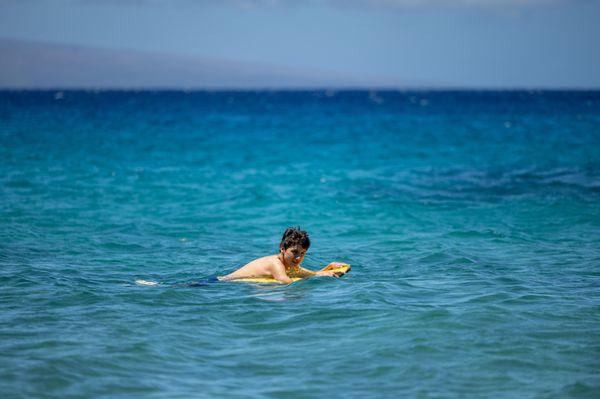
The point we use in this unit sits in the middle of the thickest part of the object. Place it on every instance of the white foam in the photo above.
(144, 282)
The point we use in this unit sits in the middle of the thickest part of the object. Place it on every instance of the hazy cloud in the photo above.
(397, 3)
(299, 3)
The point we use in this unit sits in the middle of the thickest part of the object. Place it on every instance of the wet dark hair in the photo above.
(294, 236)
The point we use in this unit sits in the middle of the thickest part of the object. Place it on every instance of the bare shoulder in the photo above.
(258, 267)
(271, 263)
(267, 265)
(265, 261)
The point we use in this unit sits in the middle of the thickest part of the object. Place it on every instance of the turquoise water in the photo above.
(471, 219)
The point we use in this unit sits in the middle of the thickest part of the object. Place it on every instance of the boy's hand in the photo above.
(328, 273)
(334, 265)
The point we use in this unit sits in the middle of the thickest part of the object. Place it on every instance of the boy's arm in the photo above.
(278, 272)
(308, 273)
(304, 273)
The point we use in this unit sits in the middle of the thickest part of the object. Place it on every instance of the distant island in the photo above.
(39, 65)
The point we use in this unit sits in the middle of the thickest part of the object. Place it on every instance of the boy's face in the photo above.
(293, 256)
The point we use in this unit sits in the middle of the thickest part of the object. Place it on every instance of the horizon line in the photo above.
(297, 89)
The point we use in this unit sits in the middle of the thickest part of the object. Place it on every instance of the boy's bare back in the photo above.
(266, 266)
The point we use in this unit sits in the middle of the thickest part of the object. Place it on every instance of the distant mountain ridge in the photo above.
(38, 65)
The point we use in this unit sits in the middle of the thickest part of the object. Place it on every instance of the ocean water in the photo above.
(471, 220)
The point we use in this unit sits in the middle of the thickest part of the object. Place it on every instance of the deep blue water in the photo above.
(471, 219)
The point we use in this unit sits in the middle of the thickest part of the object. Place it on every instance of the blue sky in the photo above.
(467, 43)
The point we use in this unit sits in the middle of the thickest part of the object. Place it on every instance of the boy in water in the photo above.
(284, 265)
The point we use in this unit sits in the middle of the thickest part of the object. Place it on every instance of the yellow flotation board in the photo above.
(339, 268)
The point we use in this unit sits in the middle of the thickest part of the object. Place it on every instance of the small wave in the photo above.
(578, 389)
(145, 282)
